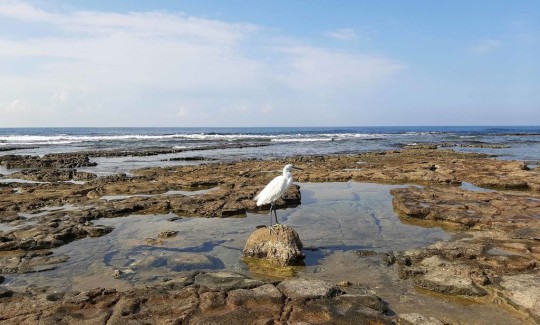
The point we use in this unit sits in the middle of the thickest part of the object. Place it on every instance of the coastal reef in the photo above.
(492, 208)
(200, 298)
(497, 256)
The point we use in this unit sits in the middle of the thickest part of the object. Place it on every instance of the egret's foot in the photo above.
(272, 230)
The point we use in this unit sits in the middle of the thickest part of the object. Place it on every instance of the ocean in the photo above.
(230, 144)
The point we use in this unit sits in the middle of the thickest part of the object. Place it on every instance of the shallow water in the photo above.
(474, 188)
(334, 221)
(22, 181)
(179, 192)
(334, 217)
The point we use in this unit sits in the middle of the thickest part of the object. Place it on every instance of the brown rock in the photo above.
(93, 195)
(333, 311)
(167, 234)
(417, 319)
(185, 302)
(282, 245)
(523, 291)
(211, 300)
(308, 289)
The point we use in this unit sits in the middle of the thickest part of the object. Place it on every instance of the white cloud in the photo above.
(342, 34)
(16, 106)
(183, 112)
(60, 97)
(158, 68)
(312, 68)
(485, 46)
(23, 11)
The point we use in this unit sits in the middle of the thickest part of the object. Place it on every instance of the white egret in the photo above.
(275, 189)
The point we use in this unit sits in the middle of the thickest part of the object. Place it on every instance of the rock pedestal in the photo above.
(281, 246)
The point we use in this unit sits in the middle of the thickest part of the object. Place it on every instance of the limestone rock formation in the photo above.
(281, 246)
(196, 298)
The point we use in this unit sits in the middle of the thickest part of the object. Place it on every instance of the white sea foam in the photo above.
(59, 139)
(301, 139)
(67, 139)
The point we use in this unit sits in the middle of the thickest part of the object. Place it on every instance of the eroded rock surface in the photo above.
(53, 175)
(55, 160)
(191, 299)
(280, 245)
(51, 232)
(499, 257)
(499, 231)
(523, 291)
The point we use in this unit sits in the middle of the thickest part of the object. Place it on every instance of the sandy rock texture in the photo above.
(497, 255)
(280, 245)
(494, 255)
(199, 298)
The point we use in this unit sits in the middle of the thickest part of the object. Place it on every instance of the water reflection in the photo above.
(333, 217)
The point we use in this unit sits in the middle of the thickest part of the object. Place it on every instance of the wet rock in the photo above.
(40, 263)
(153, 241)
(416, 319)
(344, 283)
(191, 303)
(261, 305)
(226, 281)
(308, 289)
(466, 209)
(211, 300)
(188, 261)
(523, 291)
(387, 258)
(333, 311)
(53, 175)
(93, 195)
(362, 252)
(368, 300)
(474, 145)
(4, 293)
(192, 158)
(50, 234)
(55, 296)
(498, 222)
(57, 160)
(266, 294)
(282, 245)
(504, 228)
(23, 262)
(167, 234)
(446, 277)
(97, 230)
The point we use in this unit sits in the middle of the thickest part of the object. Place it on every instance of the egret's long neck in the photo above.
(288, 176)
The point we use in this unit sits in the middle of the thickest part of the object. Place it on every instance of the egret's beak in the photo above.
(297, 168)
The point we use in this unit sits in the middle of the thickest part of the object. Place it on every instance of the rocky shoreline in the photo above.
(494, 257)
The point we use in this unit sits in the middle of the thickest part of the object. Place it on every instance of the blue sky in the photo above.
(269, 63)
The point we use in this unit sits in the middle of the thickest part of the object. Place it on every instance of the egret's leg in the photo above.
(271, 229)
(275, 215)
(271, 208)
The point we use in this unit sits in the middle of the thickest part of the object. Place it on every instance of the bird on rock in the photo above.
(275, 189)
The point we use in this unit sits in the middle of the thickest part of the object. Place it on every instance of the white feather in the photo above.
(276, 188)
(273, 191)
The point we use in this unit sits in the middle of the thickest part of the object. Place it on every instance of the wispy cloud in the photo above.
(162, 68)
(486, 46)
(313, 68)
(342, 34)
